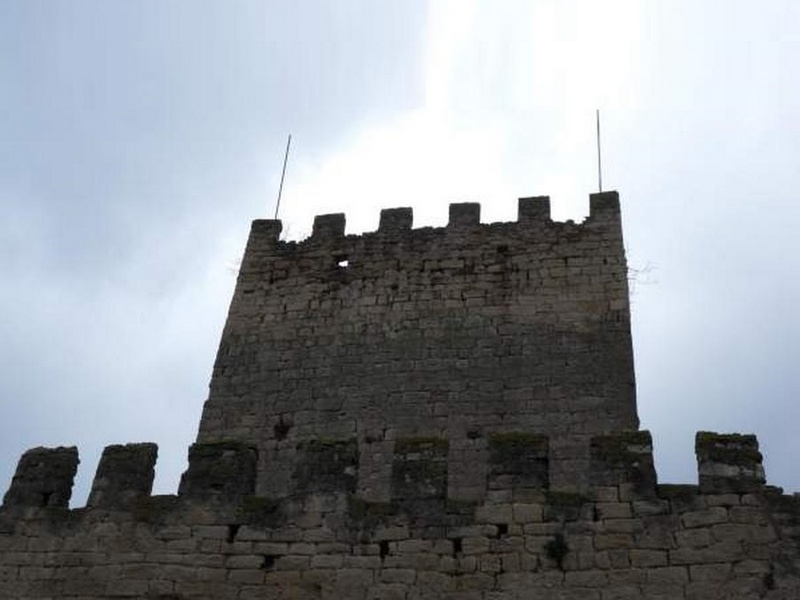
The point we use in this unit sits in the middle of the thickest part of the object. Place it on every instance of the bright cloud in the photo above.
(469, 143)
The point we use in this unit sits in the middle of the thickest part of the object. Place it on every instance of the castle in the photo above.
(408, 414)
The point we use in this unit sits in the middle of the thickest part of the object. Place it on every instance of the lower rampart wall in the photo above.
(730, 536)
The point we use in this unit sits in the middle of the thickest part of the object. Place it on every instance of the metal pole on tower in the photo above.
(283, 174)
(599, 165)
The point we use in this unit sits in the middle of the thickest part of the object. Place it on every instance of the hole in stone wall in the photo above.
(46, 498)
(557, 549)
(341, 261)
(282, 429)
(232, 531)
(268, 563)
(457, 546)
(383, 549)
(502, 529)
(769, 580)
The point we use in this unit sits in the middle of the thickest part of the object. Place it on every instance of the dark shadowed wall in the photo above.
(456, 332)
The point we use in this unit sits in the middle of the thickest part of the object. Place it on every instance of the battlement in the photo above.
(624, 536)
(464, 219)
(517, 467)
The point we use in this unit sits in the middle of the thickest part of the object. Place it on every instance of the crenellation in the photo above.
(532, 210)
(124, 476)
(219, 471)
(44, 478)
(464, 214)
(624, 457)
(395, 220)
(328, 227)
(728, 462)
(266, 232)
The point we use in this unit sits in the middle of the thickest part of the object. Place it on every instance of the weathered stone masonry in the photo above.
(452, 332)
(410, 414)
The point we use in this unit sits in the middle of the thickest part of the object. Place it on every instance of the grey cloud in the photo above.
(138, 143)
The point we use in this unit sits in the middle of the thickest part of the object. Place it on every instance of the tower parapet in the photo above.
(623, 536)
(222, 475)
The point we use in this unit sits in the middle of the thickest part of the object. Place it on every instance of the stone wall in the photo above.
(456, 332)
(626, 537)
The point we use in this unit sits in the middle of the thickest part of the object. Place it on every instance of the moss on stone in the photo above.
(259, 504)
(358, 508)
(154, 509)
(221, 445)
(556, 498)
(418, 444)
(327, 444)
(260, 511)
(616, 449)
(731, 448)
(427, 469)
(677, 491)
(515, 440)
(461, 507)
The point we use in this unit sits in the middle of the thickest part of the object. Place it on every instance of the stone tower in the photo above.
(456, 333)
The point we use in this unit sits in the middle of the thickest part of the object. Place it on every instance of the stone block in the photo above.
(328, 227)
(494, 513)
(388, 591)
(703, 518)
(124, 476)
(219, 472)
(464, 214)
(694, 538)
(613, 510)
(264, 235)
(527, 513)
(327, 561)
(668, 575)
(406, 576)
(604, 205)
(533, 209)
(719, 552)
(718, 572)
(419, 469)
(518, 459)
(396, 220)
(43, 478)
(728, 463)
(612, 541)
(595, 579)
(648, 558)
(624, 458)
(326, 466)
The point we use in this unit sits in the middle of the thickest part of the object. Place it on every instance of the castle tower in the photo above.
(455, 333)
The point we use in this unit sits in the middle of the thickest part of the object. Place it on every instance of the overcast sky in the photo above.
(139, 139)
